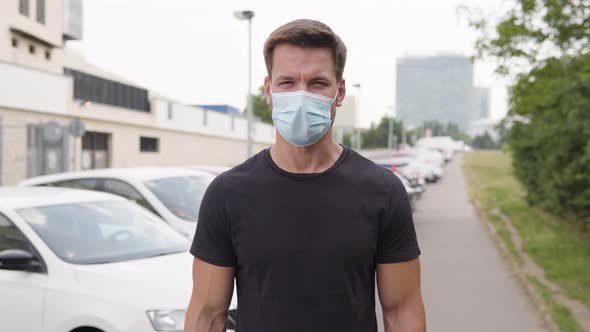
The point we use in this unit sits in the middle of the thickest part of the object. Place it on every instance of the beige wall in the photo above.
(176, 148)
(50, 32)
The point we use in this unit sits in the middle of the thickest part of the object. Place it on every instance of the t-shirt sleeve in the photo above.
(397, 235)
(213, 241)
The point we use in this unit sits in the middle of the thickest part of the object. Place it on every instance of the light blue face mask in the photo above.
(301, 117)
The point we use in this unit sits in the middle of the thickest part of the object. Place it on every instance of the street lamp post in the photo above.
(357, 131)
(248, 15)
(390, 131)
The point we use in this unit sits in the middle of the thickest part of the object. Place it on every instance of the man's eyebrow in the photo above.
(320, 77)
(284, 77)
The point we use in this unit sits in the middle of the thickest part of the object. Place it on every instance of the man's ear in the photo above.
(267, 90)
(341, 92)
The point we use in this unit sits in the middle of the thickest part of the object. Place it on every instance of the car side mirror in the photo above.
(19, 260)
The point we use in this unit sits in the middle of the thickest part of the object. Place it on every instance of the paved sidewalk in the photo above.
(466, 285)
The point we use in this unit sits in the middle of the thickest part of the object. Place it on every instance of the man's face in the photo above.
(312, 69)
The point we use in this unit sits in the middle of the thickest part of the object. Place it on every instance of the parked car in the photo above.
(413, 192)
(414, 175)
(429, 156)
(422, 161)
(215, 170)
(78, 260)
(446, 145)
(174, 194)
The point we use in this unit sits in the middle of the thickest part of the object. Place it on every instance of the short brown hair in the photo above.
(307, 33)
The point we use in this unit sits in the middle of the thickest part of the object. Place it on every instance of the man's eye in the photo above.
(284, 83)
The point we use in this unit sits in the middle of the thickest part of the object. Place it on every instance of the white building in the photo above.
(48, 94)
(347, 118)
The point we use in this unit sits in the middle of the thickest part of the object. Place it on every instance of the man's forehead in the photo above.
(291, 60)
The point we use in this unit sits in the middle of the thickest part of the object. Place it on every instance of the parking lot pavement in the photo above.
(465, 283)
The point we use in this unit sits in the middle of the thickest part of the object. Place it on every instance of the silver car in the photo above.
(174, 194)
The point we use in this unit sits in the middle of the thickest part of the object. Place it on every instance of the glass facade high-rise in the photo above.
(436, 88)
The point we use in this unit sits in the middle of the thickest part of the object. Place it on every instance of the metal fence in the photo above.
(28, 150)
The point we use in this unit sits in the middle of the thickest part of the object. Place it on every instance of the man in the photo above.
(305, 225)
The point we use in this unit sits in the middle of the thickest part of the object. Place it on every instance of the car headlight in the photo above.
(167, 320)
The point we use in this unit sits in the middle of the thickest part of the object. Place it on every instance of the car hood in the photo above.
(163, 282)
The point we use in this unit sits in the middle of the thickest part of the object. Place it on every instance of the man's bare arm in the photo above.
(400, 296)
(212, 291)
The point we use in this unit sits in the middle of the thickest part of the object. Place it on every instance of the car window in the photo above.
(181, 195)
(88, 184)
(11, 237)
(120, 188)
(102, 232)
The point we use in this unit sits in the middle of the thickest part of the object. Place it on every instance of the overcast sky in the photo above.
(196, 51)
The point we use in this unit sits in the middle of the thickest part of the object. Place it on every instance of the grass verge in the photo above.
(560, 246)
(560, 314)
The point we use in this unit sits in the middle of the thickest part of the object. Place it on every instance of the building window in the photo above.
(41, 11)
(23, 7)
(103, 91)
(32, 49)
(149, 144)
(14, 42)
(95, 150)
(170, 111)
(48, 54)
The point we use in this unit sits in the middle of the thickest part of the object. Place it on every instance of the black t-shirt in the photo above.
(305, 246)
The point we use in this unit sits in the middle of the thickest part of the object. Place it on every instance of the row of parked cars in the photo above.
(107, 250)
(422, 164)
(101, 250)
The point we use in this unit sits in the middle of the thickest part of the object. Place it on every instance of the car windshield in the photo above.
(102, 232)
(181, 195)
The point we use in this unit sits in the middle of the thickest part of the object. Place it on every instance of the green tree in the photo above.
(453, 131)
(347, 140)
(543, 46)
(377, 135)
(261, 108)
(436, 127)
(484, 141)
(439, 128)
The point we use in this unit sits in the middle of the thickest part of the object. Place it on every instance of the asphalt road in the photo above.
(466, 285)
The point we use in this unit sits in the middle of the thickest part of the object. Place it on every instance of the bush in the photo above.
(551, 153)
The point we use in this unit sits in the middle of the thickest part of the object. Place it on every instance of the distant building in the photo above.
(438, 88)
(226, 109)
(59, 113)
(347, 119)
(482, 100)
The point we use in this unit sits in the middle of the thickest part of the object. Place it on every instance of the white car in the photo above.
(215, 170)
(422, 161)
(73, 260)
(444, 144)
(174, 194)
(429, 156)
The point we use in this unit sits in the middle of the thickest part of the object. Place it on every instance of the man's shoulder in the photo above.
(367, 168)
(241, 173)
(366, 173)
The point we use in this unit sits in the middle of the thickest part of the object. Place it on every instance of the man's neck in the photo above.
(316, 158)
